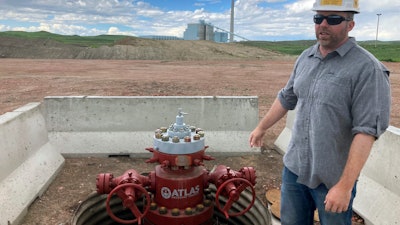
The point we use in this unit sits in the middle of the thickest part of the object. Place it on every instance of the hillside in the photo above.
(130, 48)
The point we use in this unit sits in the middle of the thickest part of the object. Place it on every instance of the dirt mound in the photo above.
(36, 49)
(133, 49)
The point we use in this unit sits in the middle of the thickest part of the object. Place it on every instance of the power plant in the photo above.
(206, 31)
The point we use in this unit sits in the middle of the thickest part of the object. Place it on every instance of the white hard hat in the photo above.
(336, 5)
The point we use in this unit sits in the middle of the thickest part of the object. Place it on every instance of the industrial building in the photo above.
(204, 31)
(161, 37)
(196, 31)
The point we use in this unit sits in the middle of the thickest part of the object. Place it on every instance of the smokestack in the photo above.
(232, 19)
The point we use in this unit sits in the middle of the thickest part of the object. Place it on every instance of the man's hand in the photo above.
(256, 137)
(337, 200)
(274, 114)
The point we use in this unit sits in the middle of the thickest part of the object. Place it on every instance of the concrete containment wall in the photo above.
(32, 137)
(378, 196)
(105, 126)
(378, 188)
(28, 163)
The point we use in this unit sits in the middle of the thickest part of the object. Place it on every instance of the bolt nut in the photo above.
(187, 139)
(153, 206)
(192, 128)
(163, 129)
(165, 138)
(188, 211)
(175, 139)
(163, 210)
(175, 212)
(158, 135)
(196, 137)
(207, 202)
(201, 133)
(199, 207)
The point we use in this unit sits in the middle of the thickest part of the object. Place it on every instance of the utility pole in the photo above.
(377, 28)
(232, 20)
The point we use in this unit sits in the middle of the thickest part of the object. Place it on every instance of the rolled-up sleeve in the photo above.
(286, 95)
(371, 101)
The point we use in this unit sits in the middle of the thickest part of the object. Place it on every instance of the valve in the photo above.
(128, 193)
(232, 189)
(179, 183)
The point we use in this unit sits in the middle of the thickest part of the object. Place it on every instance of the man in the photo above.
(342, 98)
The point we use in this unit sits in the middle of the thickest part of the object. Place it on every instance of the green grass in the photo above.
(384, 51)
(285, 47)
(86, 41)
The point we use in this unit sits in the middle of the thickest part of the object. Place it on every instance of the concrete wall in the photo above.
(378, 188)
(28, 162)
(105, 126)
(32, 138)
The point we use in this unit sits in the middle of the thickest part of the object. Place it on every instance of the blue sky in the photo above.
(271, 20)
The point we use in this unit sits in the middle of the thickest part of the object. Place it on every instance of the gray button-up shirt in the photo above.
(336, 97)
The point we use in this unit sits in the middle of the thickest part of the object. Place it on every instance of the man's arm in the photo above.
(338, 197)
(274, 114)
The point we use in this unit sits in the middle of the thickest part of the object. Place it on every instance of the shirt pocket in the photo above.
(333, 90)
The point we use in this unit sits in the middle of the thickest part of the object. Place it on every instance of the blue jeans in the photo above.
(298, 203)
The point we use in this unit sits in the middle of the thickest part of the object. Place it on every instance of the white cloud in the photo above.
(116, 31)
(254, 19)
(299, 7)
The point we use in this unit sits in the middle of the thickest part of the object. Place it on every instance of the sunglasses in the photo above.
(331, 19)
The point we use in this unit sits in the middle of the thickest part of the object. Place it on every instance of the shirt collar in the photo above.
(342, 50)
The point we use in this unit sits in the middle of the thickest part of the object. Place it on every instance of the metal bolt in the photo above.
(175, 212)
(192, 128)
(207, 202)
(153, 206)
(175, 139)
(158, 135)
(201, 133)
(163, 210)
(200, 207)
(187, 139)
(163, 129)
(165, 138)
(188, 211)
